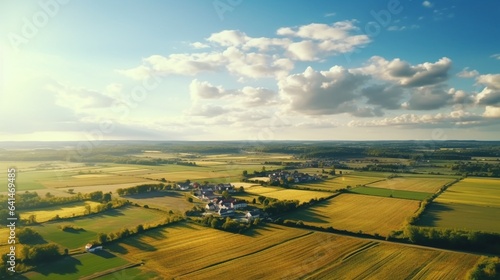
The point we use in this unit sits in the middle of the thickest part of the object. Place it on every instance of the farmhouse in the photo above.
(226, 212)
(252, 214)
(91, 247)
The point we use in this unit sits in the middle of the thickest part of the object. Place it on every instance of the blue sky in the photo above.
(249, 70)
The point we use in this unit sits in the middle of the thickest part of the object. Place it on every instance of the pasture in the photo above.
(106, 222)
(165, 201)
(461, 216)
(286, 194)
(421, 184)
(78, 266)
(356, 212)
(390, 193)
(64, 211)
(473, 191)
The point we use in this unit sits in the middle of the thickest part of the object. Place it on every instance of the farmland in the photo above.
(210, 253)
(461, 216)
(75, 267)
(390, 193)
(64, 211)
(473, 191)
(351, 179)
(286, 194)
(469, 204)
(355, 212)
(423, 184)
(109, 221)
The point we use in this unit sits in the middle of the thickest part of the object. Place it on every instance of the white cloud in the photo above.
(465, 73)
(496, 56)
(228, 38)
(205, 90)
(319, 40)
(404, 74)
(491, 112)
(322, 92)
(199, 45)
(80, 99)
(490, 95)
(427, 4)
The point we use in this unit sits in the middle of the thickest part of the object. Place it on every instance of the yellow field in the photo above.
(194, 252)
(391, 261)
(473, 191)
(181, 249)
(286, 194)
(355, 212)
(65, 211)
(417, 184)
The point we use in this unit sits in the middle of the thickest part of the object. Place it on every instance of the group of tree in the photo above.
(144, 188)
(485, 268)
(482, 169)
(226, 224)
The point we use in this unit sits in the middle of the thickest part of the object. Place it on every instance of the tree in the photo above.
(102, 238)
(245, 173)
(29, 236)
(226, 194)
(254, 201)
(241, 189)
(107, 197)
(32, 219)
(261, 199)
(263, 169)
(88, 210)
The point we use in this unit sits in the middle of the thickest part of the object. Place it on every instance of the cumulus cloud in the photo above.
(207, 110)
(384, 95)
(322, 39)
(321, 92)
(404, 74)
(496, 56)
(79, 99)
(205, 90)
(199, 45)
(428, 98)
(229, 38)
(465, 73)
(490, 95)
(491, 112)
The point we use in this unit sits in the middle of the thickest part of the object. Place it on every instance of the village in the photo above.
(219, 200)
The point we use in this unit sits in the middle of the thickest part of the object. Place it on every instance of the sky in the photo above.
(249, 70)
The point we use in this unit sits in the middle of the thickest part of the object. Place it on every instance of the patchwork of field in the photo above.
(413, 183)
(352, 179)
(473, 191)
(193, 252)
(356, 212)
(390, 193)
(108, 221)
(76, 267)
(64, 211)
(461, 216)
(73, 181)
(287, 194)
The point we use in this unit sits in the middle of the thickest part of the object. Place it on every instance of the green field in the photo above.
(108, 221)
(286, 194)
(461, 216)
(473, 191)
(356, 212)
(75, 267)
(390, 193)
(423, 184)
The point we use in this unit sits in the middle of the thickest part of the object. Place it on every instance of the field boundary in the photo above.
(110, 271)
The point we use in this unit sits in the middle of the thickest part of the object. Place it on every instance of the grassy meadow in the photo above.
(108, 221)
(473, 191)
(356, 212)
(78, 266)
